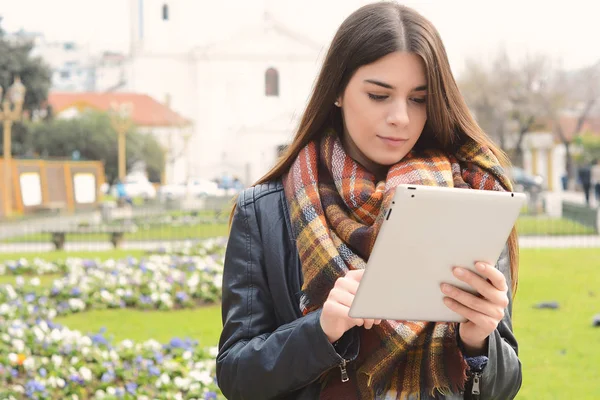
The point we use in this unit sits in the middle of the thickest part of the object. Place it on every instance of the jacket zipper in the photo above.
(475, 391)
(344, 372)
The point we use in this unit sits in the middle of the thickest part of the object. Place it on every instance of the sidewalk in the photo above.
(525, 242)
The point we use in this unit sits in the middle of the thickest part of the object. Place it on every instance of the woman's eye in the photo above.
(377, 97)
(419, 100)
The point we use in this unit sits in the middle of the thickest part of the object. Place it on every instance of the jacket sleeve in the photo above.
(258, 359)
(502, 376)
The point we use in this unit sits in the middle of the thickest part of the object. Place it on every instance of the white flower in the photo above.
(20, 281)
(56, 335)
(86, 373)
(18, 388)
(106, 296)
(52, 313)
(57, 360)
(4, 309)
(218, 281)
(10, 291)
(29, 364)
(35, 281)
(154, 297)
(195, 387)
(76, 304)
(45, 360)
(60, 383)
(75, 397)
(12, 357)
(39, 334)
(74, 360)
(182, 383)
(85, 351)
(114, 356)
(86, 341)
(201, 376)
(213, 351)
(187, 355)
(152, 345)
(111, 391)
(178, 396)
(164, 378)
(100, 394)
(127, 344)
(5, 337)
(18, 345)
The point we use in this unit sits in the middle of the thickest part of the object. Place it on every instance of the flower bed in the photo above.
(40, 359)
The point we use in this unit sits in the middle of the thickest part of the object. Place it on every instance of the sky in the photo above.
(567, 31)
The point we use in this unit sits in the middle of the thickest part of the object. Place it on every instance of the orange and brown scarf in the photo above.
(336, 209)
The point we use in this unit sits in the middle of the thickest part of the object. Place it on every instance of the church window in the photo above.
(272, 82)
(165, 12)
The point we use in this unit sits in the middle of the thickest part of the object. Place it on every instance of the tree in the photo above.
(577, 94)
(16, 59)
(93, 137)
(506, 97)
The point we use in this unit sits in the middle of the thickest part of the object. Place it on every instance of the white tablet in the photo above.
(427, 231)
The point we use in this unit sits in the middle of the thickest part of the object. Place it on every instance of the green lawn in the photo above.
(202, 324)
(540, 225)
(560, 349)
(165, 232)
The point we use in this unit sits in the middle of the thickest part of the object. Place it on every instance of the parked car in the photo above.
(526, 182)
(196, 187)
(137, 186)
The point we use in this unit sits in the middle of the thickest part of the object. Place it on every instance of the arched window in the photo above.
(165, 12)
(272, 82)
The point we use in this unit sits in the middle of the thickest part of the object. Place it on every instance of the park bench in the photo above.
(582, 214)
(115, 233)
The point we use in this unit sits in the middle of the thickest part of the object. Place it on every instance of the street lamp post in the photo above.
(120, 119)
(10, 111)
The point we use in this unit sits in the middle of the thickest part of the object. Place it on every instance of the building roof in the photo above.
(147, 112)
(568, 124)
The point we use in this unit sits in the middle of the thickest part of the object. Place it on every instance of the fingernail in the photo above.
(458, 271)
(480, 267)
(445, 288)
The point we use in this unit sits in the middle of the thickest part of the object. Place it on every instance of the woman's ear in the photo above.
(338, 102)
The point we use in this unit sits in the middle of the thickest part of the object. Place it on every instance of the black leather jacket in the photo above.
(268, 349)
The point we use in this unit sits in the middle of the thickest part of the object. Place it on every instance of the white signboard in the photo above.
(31, 189)
(84, 185)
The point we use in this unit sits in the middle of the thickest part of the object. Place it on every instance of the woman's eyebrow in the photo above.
(419, 88)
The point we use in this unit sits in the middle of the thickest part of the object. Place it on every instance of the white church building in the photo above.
(243, 85)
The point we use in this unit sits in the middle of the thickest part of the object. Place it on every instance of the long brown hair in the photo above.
(368, 34)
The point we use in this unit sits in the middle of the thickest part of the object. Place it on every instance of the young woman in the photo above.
(385, 110)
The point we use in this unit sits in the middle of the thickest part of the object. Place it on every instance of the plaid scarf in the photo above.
(336, 211)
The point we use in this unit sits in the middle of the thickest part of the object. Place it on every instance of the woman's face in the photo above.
(384, 110)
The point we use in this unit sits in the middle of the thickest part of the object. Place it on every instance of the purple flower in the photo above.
(99, 339)
(210, 395)
(76, 292)
(176, 343)
(29, 297)
(43, 372)
(14, 373)
(107, 377)
(181, 296)
(154, 371)
(131, 387)
(76, 379)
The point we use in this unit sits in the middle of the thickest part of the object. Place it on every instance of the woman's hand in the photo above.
(334, 317)
(483, 312)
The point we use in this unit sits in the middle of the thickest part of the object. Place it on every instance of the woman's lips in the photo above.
(393, 142)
